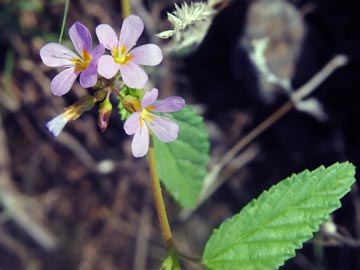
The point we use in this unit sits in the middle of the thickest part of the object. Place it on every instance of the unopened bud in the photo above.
(131, 104)
(100, 94)
(104, 114)
(57, 124)
(99, 84)
(79, 107)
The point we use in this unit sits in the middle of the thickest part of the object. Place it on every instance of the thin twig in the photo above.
(300, 94)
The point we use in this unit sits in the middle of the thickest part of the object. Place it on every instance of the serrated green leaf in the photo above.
(269, 229)
(181, 164)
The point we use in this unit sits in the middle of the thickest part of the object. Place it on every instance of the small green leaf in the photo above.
(181, 164)
(269, 229)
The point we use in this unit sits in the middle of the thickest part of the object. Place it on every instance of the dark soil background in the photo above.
(81, 201)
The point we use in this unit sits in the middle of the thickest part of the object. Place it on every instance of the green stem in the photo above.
(117, 92)
(125, 8)
(159, 200)
(64, 19)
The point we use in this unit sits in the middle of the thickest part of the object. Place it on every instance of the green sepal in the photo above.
(127, 91)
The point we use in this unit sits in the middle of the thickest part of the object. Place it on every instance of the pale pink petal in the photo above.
(133, 75)
(62, 83)
(97, 52)
(107, 36)
(80, 37)
(140, 142)
(149, 97)
(107, 67)
(132, 124)
(131, 30)
(170, 104)
(57, 55)
(163, 128)
(149, 55)
(57, 124)
(88, 77)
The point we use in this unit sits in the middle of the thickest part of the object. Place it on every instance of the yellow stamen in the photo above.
(150, 108)
(121, 56)
(81, 63)
(145, 116)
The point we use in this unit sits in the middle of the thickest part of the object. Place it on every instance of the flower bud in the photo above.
(104, 114)
(57, 124)
(79, 107)
(100, 94)
(131, 104)
(99, 84)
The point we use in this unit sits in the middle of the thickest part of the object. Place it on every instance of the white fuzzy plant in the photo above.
(189, 23)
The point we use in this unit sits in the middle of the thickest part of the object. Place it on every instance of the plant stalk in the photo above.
(158, 197)
(125, 8)
(66, 10)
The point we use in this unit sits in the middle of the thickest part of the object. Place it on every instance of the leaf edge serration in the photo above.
(344, 178)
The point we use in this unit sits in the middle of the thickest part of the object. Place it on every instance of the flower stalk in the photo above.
(158, 197)
(125, 8)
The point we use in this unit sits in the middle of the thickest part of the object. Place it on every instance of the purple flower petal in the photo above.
(170, 104)
(149, 97)
(132, 124)
(107, 36)
(107, 67)
(149, 55)
(88, 77)
(163, 128)
(80, 37)
(97, 52)
(57, 55)
(131, 30)
(133, 75)
(140, 142)
(57, 124)
(62, 83)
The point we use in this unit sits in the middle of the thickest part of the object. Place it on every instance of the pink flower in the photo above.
(57, 55)
(123, 57)
(139, 122)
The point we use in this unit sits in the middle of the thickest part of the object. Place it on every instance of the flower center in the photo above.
(121, 56)
(145, 116)
(81, 63)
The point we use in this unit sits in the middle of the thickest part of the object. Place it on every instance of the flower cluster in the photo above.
(98, 70)
(123, 56)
